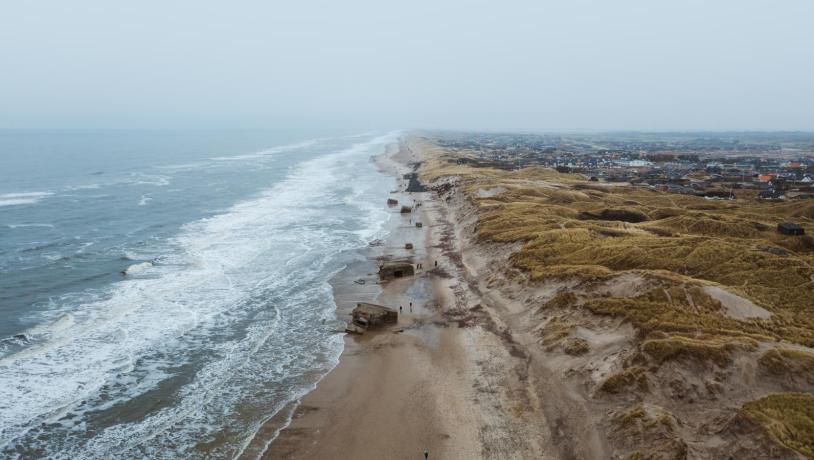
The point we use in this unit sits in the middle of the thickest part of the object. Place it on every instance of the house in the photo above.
(392, 202)
(788, 228)
(771, 195)
(396, 269)
(406, 209)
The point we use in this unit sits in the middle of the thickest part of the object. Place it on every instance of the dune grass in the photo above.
(649, 432)
(630, 379)
(718, 350)
(786, 362)
(573, 228)
(788, 417)
(570, 228)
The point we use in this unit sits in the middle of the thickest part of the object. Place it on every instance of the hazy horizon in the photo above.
(360, 65)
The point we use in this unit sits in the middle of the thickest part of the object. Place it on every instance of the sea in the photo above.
(163, 294)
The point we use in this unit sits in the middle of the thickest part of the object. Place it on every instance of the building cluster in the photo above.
(770, 167)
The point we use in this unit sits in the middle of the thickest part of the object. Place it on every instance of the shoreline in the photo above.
(347, 291)
(381, 399)
(450, 378)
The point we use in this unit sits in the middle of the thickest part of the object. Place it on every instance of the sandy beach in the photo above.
(470, 372)
(449, 378)
(489, 364)
(395, 391)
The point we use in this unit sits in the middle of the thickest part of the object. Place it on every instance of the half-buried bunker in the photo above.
(396, 269)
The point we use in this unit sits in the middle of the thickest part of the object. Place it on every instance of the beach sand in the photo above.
(447, 378)
(469, 373)
(395, 392)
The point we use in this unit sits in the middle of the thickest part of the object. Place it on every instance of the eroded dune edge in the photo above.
(570, 319)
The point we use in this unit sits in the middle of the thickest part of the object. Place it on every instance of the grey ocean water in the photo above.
(230, 238)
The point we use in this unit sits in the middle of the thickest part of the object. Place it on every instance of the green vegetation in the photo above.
(788, 417)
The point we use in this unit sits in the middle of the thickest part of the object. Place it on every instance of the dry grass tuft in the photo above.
(702, 350)
(563, 300)
(632, 379)
(788, 417)
(649, 432)
(788, 363)
(575, 346)
(572, 228)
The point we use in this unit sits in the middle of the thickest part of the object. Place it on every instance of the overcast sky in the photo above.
(373, 64)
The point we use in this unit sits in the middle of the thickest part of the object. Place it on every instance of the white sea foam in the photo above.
(13, 199)
(269, 151)
(60, 324)
(136, 268)
(354, 136)
(278, 247)
(72, 188)
(158, 180)
(12, 226)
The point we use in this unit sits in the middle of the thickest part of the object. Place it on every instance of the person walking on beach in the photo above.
(436, 263)
(399, 309)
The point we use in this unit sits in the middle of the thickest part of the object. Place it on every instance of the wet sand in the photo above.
(467, 374)
(446, 378)
(396, 391)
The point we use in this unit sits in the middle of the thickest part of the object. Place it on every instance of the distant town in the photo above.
(763, 166)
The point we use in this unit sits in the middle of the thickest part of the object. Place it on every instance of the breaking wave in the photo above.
(13, 199)
(268, 152)
(232, 319)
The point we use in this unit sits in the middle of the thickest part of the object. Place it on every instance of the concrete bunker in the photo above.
(396, 269)
(369, 315)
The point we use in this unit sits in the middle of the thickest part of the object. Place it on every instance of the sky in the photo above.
(539, 65)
